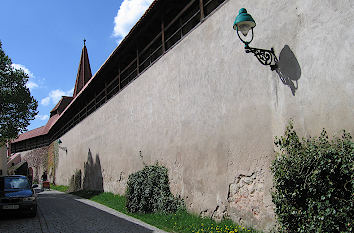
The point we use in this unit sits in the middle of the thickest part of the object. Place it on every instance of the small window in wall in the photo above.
(112, 88)
(211, 5)
(156, 50)
(190, 18)
(145, 59)
(172, 34)
(128, 74)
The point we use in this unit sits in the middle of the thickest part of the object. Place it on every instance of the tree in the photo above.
(17, 106)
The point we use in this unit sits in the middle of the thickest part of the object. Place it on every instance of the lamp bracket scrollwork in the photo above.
(266, 57)
(64, 148)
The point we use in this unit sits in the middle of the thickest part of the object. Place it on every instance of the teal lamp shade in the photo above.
(244, 22)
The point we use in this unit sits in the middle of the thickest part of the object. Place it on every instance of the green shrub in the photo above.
(148, 191)
(313, 180)
(75, 182)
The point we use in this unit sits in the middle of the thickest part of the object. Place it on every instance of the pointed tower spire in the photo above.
(84, 72)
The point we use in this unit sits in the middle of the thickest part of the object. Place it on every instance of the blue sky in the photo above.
(45, 39)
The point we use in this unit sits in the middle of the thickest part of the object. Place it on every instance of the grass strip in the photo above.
(61, 188)
(179, 222)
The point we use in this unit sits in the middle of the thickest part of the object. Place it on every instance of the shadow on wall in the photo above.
(289, 70)
(93, 179)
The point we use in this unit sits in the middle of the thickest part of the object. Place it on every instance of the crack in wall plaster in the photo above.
(121, 176)
(220, 213)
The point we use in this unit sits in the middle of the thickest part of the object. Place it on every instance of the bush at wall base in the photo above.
(148, 191)
(75, 182)
(314, 183)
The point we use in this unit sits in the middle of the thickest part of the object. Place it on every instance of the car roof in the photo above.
(20, 176)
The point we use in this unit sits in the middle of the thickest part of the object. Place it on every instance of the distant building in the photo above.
(3, 161)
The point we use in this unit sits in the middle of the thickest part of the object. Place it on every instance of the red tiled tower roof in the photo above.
(84, 72)
(61, 105)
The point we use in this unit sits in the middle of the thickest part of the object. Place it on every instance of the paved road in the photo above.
(59, 212)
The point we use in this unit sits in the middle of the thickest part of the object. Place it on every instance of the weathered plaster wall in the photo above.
(208, 111)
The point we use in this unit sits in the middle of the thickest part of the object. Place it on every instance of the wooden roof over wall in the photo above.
(163, 25)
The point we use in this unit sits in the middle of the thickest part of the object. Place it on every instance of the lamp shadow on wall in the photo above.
(92, 178)
(288, 69)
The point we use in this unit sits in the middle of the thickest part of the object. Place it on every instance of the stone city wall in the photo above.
(38, 159)
(209, 112)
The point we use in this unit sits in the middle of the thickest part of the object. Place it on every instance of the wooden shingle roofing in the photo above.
(84, 71)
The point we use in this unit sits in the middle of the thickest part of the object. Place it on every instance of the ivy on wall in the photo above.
(43, 159)
(37, 159)
(314, 182)
(52, 161)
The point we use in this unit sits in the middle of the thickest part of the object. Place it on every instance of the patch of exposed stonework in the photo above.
(246, 195)
(37, 159)
(205, 213)
(220, 213)
(114, 184)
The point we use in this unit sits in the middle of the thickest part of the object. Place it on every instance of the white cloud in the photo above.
(45, 101)
(55, 95)
(128, 14)
(25, 69)
(42, 117)
(70, 92)
(31, 84)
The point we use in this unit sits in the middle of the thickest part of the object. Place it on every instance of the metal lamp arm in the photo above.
(264, 56)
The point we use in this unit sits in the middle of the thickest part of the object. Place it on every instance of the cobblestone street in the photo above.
(59, 212)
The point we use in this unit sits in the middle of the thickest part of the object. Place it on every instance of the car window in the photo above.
(1, 183)
(16, 183)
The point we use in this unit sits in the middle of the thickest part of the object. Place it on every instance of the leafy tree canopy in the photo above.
(17, 106)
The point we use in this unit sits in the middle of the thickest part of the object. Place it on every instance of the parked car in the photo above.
(17, 195)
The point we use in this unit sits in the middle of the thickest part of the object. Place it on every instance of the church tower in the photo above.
(84, 72)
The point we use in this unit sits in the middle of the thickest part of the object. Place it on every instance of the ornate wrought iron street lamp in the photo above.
(244, 23)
